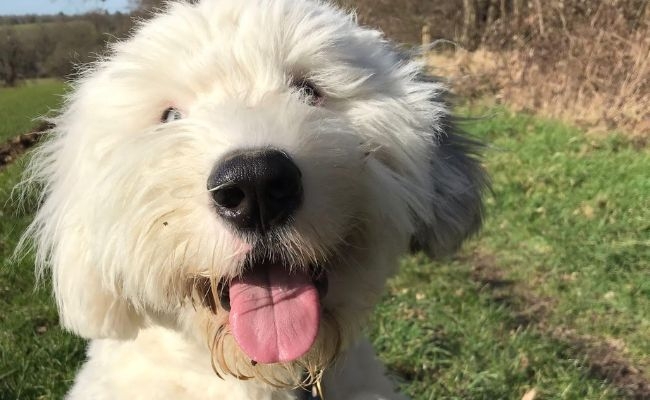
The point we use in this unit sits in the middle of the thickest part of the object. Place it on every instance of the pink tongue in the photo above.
(274, 314)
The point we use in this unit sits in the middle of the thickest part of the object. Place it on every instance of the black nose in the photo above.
(256, 190)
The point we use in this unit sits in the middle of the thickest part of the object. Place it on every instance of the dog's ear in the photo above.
(87, 304)
(458, 183)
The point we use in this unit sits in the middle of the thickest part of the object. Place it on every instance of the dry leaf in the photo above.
(530, 395)
(588, 211)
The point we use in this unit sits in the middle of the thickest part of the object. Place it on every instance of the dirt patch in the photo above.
(14, 147)
(605, 358)
(526, 307)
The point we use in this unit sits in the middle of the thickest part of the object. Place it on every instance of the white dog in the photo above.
(225, 195)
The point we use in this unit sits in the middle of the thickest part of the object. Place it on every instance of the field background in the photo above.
(551, 301)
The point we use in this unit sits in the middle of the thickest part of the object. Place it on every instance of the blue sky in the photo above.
(19, 7)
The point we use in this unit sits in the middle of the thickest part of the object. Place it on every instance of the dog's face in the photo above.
(247, 173)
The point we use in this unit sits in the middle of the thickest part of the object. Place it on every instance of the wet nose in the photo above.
(256, 190)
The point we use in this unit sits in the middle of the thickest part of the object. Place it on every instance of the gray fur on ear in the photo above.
(459, 182)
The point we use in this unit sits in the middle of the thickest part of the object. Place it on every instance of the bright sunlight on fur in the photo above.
(225, 194)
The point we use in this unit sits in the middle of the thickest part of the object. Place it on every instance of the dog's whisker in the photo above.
(219, 187)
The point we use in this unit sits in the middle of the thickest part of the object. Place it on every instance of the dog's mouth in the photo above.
(317, 274)
(274, 309)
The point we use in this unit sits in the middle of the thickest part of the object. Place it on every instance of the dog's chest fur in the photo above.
(160, 364)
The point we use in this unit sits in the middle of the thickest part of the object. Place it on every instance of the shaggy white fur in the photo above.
(129, 228)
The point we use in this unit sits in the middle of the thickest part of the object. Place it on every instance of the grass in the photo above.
(20, 106)
(37, 359)
(565, 247)
(571, 216)
(446, 339)
(568, 224)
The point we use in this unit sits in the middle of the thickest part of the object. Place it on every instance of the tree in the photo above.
(142, 6)
(76, 42)
(146, 5)
(11, 55)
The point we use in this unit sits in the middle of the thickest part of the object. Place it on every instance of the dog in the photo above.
(225, 194)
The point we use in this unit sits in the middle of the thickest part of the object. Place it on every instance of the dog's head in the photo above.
(248, 173)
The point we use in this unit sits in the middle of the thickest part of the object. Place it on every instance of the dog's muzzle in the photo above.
(256, 190)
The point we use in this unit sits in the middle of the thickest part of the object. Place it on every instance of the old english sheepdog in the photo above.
(226, 193)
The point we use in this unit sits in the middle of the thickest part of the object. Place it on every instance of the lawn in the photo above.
(20, 106)
(555, 293)
(552, 297)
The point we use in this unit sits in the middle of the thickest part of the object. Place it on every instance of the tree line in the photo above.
(35, 46)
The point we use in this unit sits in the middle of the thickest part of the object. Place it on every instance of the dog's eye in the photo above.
(309, 92)
(170, 114)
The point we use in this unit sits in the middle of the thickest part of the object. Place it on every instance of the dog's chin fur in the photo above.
(341, 320)
(229, 359)
(127, 227)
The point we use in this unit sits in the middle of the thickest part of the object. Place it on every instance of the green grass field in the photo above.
(20, 106)
(553, 296)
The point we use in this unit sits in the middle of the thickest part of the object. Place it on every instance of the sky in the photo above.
(19, 7)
